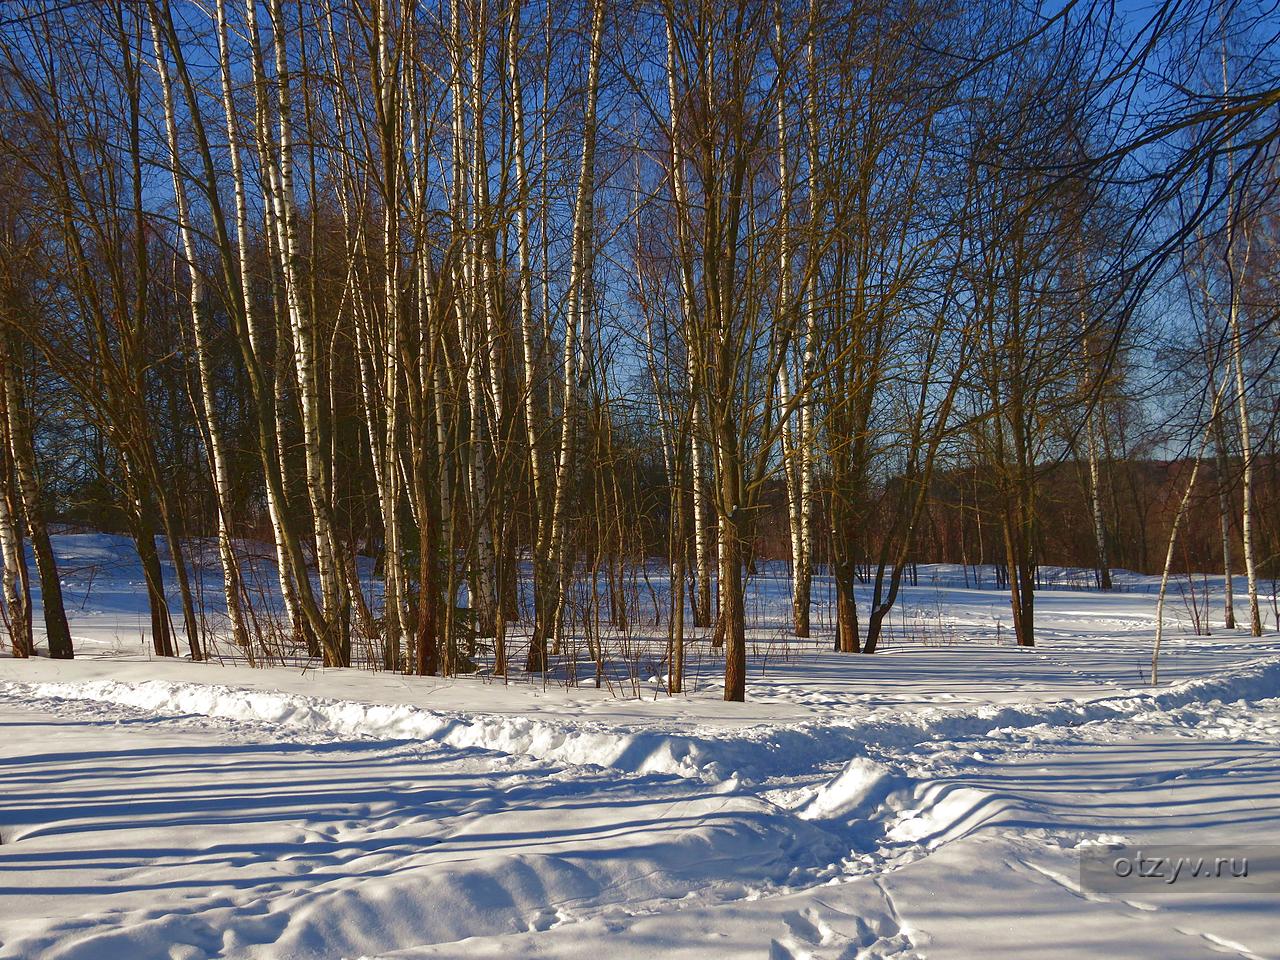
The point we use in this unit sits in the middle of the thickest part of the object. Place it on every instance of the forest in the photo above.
(445, 325)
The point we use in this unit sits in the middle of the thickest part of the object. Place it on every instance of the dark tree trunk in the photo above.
(847, 640)
(57, 631)
(161, 625)
(732, 616)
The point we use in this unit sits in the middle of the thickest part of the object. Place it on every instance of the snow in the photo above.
(848, 793)
(930, 801)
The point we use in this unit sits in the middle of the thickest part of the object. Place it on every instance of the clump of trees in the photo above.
(513, 296)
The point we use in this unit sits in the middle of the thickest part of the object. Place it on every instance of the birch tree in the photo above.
(17, 416)
(200, 310)
(15, 585)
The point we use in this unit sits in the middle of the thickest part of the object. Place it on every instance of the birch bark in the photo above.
(199, 312)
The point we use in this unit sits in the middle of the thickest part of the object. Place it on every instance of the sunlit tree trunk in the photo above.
(295, 622)
(577, 341)
(536, 415)
(283, 207)
(1237, 262)
(484, 389)
(1174, 528)
(1224, 522)
(699, 480)
(1236, 360)
(794, 441)
(199, 318)
(1095, 502)
(803, 561)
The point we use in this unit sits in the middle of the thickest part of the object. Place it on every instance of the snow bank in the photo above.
(754, 753)
(579, 743)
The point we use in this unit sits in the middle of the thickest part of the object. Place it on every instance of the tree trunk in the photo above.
(16, 590)
(1224, 523)
(1246, 445)
(845, 574)
(22, 449)
(1235, 276)
(732, 620)
(701, 596)
(335, 639)
(577, 333)
(1095, 502)
(1173, 534)
(161, 626)
(676, 550)
(199, 316)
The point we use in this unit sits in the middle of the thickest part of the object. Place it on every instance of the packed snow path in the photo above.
(929, 802)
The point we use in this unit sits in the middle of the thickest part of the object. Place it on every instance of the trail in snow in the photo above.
(928, 802)
(237, 822)
(757, 752)
(233, 841)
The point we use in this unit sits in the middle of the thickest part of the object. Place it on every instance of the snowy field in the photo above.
(930, 801)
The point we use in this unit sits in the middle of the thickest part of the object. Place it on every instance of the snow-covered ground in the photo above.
(932, 800)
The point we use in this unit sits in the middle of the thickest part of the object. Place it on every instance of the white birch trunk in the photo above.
(1246, 443)
(1224, 525)
(1173, 535)
(283, 206)
(794, 443)
(702, 529)
(529, 352)
(387, 84)
(199, 308)
(809, 293)
(241, 213)
(577, 326)
(1095, 502)
(1235, 273)
(487, 396)
(12, 549)
(1091, 442)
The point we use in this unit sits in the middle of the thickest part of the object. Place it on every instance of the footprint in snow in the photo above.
(810, 937)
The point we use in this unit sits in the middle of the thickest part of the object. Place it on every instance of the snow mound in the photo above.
(712, 755)
(575, 743)
(860, 784)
